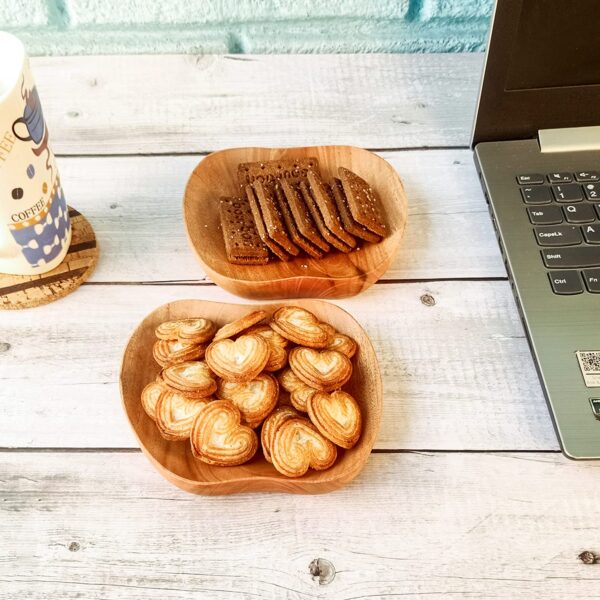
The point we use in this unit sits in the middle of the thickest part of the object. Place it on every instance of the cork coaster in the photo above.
(27, 291)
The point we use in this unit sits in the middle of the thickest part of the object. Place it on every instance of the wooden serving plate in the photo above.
(336, 275)
(174, 460)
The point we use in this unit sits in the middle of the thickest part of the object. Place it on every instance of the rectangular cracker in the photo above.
(273, 218)
(364, 205)
(261, 228)
(302, 217)
(292, 170)
(349, 224)
(322, 195)
(297, 238)
(318, 218)
(242, 242)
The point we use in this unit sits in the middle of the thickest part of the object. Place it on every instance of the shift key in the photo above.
(572, 258)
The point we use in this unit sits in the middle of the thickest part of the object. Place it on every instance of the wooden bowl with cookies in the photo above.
(228, 398)
(312, 222)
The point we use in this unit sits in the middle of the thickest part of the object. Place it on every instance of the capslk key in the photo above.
(558, 235)
(571, 258)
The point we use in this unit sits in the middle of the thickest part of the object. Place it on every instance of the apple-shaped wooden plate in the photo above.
(174, 460)
(336, 275)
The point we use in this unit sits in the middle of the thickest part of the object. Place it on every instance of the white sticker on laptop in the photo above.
(589, 363)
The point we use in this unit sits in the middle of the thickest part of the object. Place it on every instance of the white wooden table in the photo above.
(466, 494)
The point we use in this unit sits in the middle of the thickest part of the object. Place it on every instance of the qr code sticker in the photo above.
(589, 363)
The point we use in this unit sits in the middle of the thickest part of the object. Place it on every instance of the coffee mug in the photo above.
(35, 230)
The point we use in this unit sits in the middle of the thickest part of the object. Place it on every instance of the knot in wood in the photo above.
(4, 346)
(322, 570)
(587, 557)
(428, 300)
(74, 547)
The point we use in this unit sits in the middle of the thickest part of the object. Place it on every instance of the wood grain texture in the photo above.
(162, 104)
(410, 526)
(457, 375)
(175, 461)
(335, 275)
(27, 291)
(134, 204)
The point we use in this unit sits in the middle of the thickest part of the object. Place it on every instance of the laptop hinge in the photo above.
(569, 139)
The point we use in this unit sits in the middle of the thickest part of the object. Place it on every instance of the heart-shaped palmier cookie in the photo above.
(270, 425)
(337, 416)
(218, 437)
(301, 327)
(194, 378)
(239, 325)
(324, 370)
(193, 330)
(150, 395)
(175, 414)
(297, 445)
(343, 343)
(299, 391)
(277, 347)
(172, 352)
(197, 330)
(255, 399)
(238, 360)
(269, 334)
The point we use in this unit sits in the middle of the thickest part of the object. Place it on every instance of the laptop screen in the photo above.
(542, 69)
(555, 45)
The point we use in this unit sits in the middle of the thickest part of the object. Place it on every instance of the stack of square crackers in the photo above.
(285, 209)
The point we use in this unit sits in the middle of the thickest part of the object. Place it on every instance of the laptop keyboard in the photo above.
(564, 211)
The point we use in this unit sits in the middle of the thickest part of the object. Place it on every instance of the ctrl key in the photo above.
(565, 282)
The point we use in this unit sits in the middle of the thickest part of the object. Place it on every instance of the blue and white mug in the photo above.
(35, 230)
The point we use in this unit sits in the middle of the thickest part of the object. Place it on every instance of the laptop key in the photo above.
(597, 209)
(571, 192)
(592, 233)
(579, 213)
(565, 282)
(572, 258)
(592, 191)
(536, 195)
(592, 280)
(558, 235)
(587, 176)
(530, 179)
(561, 177)
(545, 215)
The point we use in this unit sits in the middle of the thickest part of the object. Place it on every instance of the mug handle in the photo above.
(23, 139)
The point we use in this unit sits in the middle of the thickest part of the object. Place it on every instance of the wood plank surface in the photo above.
(135, 206)
(106, 525)
(457, 375)
(182, 103)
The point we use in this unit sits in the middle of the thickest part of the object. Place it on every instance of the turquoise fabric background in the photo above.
(246, 26)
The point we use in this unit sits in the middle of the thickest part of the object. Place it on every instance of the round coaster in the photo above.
(26, 291)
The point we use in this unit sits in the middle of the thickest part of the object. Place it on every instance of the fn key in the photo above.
(565, 282)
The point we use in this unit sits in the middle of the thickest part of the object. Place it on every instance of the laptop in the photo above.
(536, 142)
